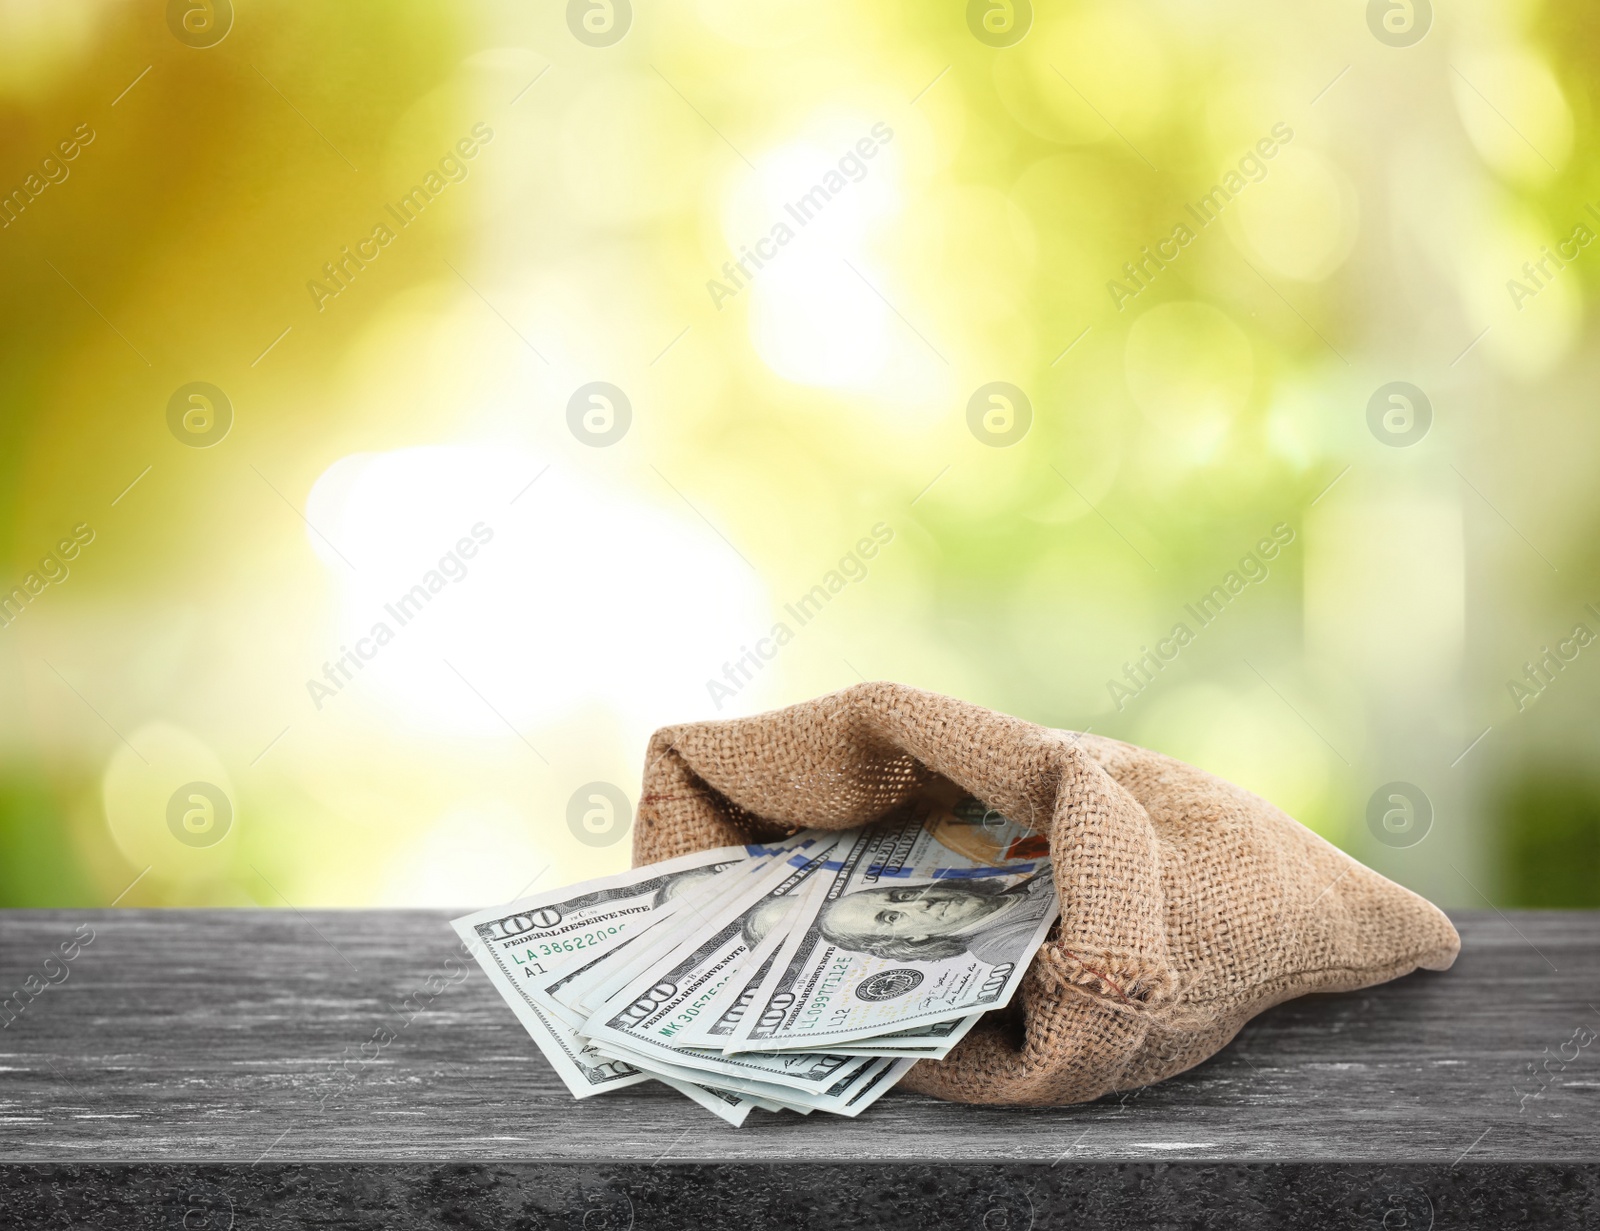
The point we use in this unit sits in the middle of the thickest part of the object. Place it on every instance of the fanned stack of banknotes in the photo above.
(806, 974)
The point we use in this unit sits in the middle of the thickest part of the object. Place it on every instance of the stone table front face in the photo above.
(266, 1037)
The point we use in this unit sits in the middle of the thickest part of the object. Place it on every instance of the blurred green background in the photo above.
(928, 199)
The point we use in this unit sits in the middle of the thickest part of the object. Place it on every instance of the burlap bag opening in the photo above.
(1188, 905)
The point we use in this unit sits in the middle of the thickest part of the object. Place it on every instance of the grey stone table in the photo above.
(215, 1069)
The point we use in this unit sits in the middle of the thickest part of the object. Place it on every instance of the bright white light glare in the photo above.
(819, 324)
(784, 188)
(571, 595)
(798, 233)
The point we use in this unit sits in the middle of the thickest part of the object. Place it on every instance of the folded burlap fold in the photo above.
(1188, 905)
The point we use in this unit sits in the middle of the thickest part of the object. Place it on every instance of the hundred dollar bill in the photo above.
(859, 1089)
(862, 1086)
(525, 941)
(725, 1105)
(646, 1014)
(879, 1082)
(947, 833)
(655, 973)
(729, 1105)
(846, 1081)
(763, 923)
(920, 1043)
(727, 1006)
(898, 933)
(859, 1084)
(683, 907)
(930, 1040)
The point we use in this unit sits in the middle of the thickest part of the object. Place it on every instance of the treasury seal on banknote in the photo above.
(887, 984)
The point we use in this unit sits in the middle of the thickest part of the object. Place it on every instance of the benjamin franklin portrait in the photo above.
(939, 920)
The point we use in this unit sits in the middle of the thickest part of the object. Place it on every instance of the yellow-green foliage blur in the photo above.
(406, 408)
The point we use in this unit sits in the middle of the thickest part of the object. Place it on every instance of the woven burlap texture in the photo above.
(1188, 905)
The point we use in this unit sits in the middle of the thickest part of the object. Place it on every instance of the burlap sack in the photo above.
(1187, 904)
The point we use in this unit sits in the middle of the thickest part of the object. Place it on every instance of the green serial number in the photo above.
(572, 944)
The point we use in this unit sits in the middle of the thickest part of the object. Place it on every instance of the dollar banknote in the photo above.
(581, 990)
(948, 835)
(644, 1016)
(524, 942)
(934, 1041)
(850, 1088)
(724, 1104)
(897, 934)
(806, 974)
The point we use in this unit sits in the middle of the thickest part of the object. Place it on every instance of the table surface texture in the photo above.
(236, 1036)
